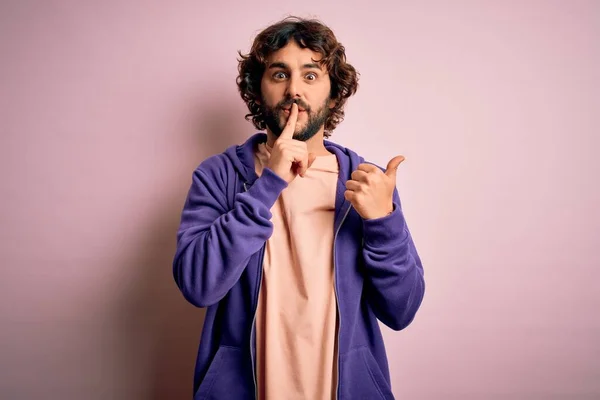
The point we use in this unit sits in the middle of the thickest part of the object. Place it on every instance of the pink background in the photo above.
(106, 108)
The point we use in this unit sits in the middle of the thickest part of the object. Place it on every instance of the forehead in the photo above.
(293, 56)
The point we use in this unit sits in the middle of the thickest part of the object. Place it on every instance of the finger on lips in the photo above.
(288, 131)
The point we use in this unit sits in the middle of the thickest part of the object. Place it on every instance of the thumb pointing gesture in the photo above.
(371, 191)
(392, 166)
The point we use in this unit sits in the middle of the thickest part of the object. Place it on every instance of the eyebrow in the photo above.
(283, 65)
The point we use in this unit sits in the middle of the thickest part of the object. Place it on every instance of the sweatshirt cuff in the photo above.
(390, 228)
(267, 187)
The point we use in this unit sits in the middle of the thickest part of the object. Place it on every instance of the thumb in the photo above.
(392, 166)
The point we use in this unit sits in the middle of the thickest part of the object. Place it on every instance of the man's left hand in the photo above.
(371, 190)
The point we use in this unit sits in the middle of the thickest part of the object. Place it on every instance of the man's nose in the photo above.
(293, 88)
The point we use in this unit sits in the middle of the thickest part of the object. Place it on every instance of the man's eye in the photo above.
(279, 75)
(311, 76)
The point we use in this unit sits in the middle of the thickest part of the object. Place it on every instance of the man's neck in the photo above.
(314, 144)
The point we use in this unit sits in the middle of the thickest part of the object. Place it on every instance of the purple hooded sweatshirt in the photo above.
(225, 223)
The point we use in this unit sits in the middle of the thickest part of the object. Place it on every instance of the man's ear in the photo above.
(332, 103)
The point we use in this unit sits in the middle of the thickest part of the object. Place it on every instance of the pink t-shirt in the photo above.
(296, 319)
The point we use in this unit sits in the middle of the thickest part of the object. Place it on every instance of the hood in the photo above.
(242, 157)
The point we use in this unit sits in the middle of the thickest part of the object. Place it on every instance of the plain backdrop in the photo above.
(106, 108)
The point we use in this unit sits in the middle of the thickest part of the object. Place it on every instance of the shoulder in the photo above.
(214, 163)
(361, 160)
(346, 155)
(216, 168)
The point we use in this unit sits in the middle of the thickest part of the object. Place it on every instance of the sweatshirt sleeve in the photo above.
(215, 243)
(394, 285)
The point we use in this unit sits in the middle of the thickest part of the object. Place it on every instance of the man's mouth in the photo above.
(289, 108)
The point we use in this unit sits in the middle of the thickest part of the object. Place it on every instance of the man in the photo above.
(295, 245)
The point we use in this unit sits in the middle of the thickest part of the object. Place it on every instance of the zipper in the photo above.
(252, 329)
(337, 302)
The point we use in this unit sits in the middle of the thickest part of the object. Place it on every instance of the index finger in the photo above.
(290, 126)
(367, 167)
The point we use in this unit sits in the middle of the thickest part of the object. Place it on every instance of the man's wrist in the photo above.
(382, 214)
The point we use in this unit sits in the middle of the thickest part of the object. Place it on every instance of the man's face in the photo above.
(293, 75)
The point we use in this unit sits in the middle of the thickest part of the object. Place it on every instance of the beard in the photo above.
(275, 121)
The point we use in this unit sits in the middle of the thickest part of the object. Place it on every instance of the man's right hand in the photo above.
(290, 157)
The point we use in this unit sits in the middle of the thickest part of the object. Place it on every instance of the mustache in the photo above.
(288, 103)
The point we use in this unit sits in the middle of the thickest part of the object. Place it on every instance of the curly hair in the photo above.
(307, 33)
